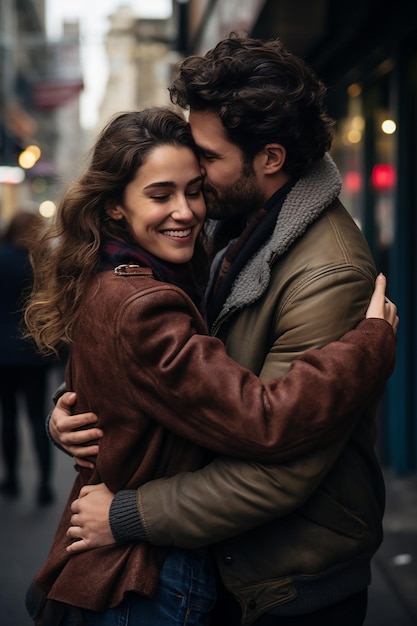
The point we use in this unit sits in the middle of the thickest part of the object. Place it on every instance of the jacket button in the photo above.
(227, 560)
(252, 604)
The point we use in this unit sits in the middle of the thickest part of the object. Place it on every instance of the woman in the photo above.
(119, 286)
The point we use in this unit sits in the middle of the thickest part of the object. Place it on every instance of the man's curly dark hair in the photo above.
(262, 94)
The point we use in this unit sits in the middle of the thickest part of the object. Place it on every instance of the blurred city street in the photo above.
(26, 532)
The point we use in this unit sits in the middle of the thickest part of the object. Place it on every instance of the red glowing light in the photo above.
(383, 177)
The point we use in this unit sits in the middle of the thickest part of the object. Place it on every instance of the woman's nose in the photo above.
(182, 210)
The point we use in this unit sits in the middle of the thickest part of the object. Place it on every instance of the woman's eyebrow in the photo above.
(160, 184)
(167, 183)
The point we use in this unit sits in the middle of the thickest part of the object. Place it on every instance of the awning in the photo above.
(55, 93)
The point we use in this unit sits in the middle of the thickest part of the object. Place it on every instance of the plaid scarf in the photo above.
(234, 248)
(114, 252)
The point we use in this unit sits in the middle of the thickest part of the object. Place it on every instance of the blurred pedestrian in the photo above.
(23, 371)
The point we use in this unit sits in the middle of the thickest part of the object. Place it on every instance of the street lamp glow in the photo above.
(47, 208)
(35, 150)
(26, 160)
(389, 127)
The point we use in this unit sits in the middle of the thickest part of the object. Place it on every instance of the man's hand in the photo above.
(380, 306)
(75, 433)
(90, 526)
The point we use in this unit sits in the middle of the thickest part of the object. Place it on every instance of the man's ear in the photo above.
(114, 211)
(273, 157)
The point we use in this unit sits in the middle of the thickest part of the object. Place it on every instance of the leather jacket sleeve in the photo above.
(195, 390)
(228, 496)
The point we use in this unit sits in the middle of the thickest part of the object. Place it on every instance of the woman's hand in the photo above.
(380, 306)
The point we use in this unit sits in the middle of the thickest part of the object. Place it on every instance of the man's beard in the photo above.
(238, 200)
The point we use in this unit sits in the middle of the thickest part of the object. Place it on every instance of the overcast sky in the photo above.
(92, 15)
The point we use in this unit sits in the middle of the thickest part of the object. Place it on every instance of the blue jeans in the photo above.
(185, 595)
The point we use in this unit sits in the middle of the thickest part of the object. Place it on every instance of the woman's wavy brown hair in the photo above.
(67, 256)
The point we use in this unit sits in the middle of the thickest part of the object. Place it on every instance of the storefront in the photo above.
(375, 149)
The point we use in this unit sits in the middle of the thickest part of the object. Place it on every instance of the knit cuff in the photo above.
(125, 523)
(55, 397)
(58, 393)
(51, 439)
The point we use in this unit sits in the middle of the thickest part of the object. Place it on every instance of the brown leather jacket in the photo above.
(139, 362)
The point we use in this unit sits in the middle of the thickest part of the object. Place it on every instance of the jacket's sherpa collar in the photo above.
(306, 201)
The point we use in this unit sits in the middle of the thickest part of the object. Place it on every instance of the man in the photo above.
(292, 272)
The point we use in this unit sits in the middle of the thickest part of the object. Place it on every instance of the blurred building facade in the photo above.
(40, 88)
(366, 53)
(141, 54)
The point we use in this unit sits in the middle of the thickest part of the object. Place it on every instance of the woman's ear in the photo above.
(115, 212)
(274, 155)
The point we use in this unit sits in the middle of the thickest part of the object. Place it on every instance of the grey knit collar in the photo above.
(306, 201)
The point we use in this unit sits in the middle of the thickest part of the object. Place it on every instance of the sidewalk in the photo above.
(393, 593)
(26, 532)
